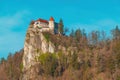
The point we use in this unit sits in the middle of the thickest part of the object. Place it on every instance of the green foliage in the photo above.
(47, 36)
(116, 33)
(62, 58)
(55, 64)
(21, 67)
(62, 61)
(118, 78)
(61, 27)
(73, 61)
(48, 63)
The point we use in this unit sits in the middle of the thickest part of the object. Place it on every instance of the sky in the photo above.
(15, 16)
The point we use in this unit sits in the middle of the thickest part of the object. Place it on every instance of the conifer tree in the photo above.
(116, 33)
(72, 34)
(61, 27)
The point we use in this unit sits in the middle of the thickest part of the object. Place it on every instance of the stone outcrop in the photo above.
(35, 44)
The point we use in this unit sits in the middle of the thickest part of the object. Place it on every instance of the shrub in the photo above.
(21, 66)
(48, 63)
(47, 36)
(73, 61)
(118, 78)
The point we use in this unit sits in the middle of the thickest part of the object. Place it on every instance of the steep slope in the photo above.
(34, 43)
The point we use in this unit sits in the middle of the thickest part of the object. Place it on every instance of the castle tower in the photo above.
(51, 24)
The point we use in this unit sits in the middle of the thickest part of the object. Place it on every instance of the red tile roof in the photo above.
(51, 19)
(42, 20)
(32, 22)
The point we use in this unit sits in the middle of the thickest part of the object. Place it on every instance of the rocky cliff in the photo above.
(35, 43)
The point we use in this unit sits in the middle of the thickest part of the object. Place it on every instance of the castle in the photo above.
(46, 26)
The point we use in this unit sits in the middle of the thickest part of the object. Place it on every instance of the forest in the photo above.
(92, 56)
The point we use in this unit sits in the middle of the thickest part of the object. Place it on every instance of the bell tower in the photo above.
(51, 24)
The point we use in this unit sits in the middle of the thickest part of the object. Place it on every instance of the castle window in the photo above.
(37, 22)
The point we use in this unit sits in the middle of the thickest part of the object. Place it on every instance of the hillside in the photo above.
(11, 69)
(48, 56)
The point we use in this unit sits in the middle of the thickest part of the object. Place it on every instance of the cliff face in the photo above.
(35, 43)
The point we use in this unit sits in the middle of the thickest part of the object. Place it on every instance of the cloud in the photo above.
(11, 21)
(11, 37)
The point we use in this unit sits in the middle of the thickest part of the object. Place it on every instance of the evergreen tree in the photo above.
(94, 37)
(72, 34)
(2, 60)
(116, 33)
(61, 27)
(78, 34)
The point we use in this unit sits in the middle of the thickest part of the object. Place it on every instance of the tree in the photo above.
(116, 33)
(61, 27)
(66, 30)
(48, 63)
(116, 51)
(83, 33)
(94, 37)
(2, 60)
(78, 35)
(100, 63)
(73, 62)
(103, 36)
(84, 38)
(72, 34)
(62, 62)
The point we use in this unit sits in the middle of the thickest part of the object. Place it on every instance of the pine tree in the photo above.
(61, 27)
(116, 33)
(78, 34)
(72, 34)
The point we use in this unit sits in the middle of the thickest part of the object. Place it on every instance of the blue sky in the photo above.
(15, 16)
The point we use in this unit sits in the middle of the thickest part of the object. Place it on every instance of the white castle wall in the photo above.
(44, 27)
(51, 25)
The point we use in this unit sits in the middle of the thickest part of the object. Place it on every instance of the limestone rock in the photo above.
(35, 41)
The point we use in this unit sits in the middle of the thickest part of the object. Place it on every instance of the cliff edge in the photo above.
(34, 43)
